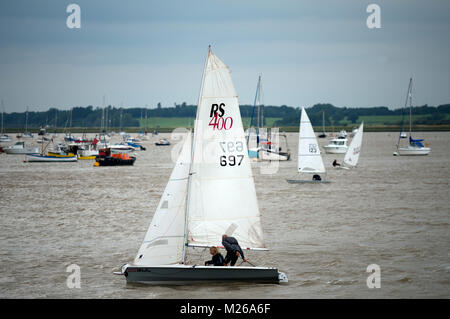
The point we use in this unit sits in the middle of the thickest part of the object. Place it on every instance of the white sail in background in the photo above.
(163, 243)
(352, 156)
(222, 196)
(309, 159)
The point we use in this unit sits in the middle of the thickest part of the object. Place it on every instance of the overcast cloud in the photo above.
(143, 52)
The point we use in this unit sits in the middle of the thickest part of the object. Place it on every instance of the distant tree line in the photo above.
(334, 115)
(116, 117)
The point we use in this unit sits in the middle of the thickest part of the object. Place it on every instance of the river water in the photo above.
(390, 211)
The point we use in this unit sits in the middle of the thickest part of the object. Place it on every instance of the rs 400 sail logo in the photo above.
(218, 120)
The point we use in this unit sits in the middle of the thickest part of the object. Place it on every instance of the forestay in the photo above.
(222, 196)
(163, 243)
(352, 155)
(309, 159)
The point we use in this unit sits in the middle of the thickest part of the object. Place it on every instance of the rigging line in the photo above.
(253, 112)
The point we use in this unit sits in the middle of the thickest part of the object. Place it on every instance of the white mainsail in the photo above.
(352, 156)
(309, 158)
(163, 243)
(222, 196)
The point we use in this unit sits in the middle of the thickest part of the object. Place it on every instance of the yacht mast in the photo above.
(186, 212)
(410, 106)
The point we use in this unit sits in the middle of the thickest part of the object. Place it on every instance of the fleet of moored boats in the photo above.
(211, 191)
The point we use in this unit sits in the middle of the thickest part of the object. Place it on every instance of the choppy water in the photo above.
(390, 211)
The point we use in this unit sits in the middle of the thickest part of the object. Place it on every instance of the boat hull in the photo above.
(49, 159)
(22, 151)
(335, 150)
(114, 161)
(182, 274)
(413, 151)
(265, 155)
(306, 181)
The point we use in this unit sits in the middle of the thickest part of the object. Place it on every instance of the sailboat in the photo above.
(415, 147)
(26, 134)
(254, 151)
(352, 155)
(210, 192)
(265, 149)
(309, 158)
(3, 136)
(55, 158)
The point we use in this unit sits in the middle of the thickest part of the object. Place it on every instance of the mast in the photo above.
(253, 113)
(410, 106)
(146, 120)
(26, 121)
(186, 213)
(3, 111)
(258, 94)
(323, 121)
(56, 118)
(408, 97)
(70, 126)
(103, 114)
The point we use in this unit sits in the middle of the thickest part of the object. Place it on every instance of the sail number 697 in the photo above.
(231, 147)
(231, 160)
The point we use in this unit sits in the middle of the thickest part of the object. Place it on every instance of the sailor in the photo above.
(217, 258)
(316, 177)
(335, 163)
(234, 251)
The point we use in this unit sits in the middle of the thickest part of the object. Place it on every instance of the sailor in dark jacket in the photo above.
(217, 258)
(233, 250)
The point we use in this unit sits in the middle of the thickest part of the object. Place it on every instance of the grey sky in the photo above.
(145, 52)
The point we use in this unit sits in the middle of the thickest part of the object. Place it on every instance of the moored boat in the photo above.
(19, 149)
(162, 142)
(49, 158)
(107, 158)
(415, 146)
(336, 146)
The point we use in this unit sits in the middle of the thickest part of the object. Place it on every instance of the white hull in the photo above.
(335, 149)
(22, 151)
(341, 167)
(39, 158)
(413, 151)
(265, 155)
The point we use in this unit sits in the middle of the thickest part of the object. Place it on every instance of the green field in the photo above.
(174, 122)
(387, 119)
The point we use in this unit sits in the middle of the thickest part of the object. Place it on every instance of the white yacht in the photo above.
(19, 148)
(415, 146)
(336, 146)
